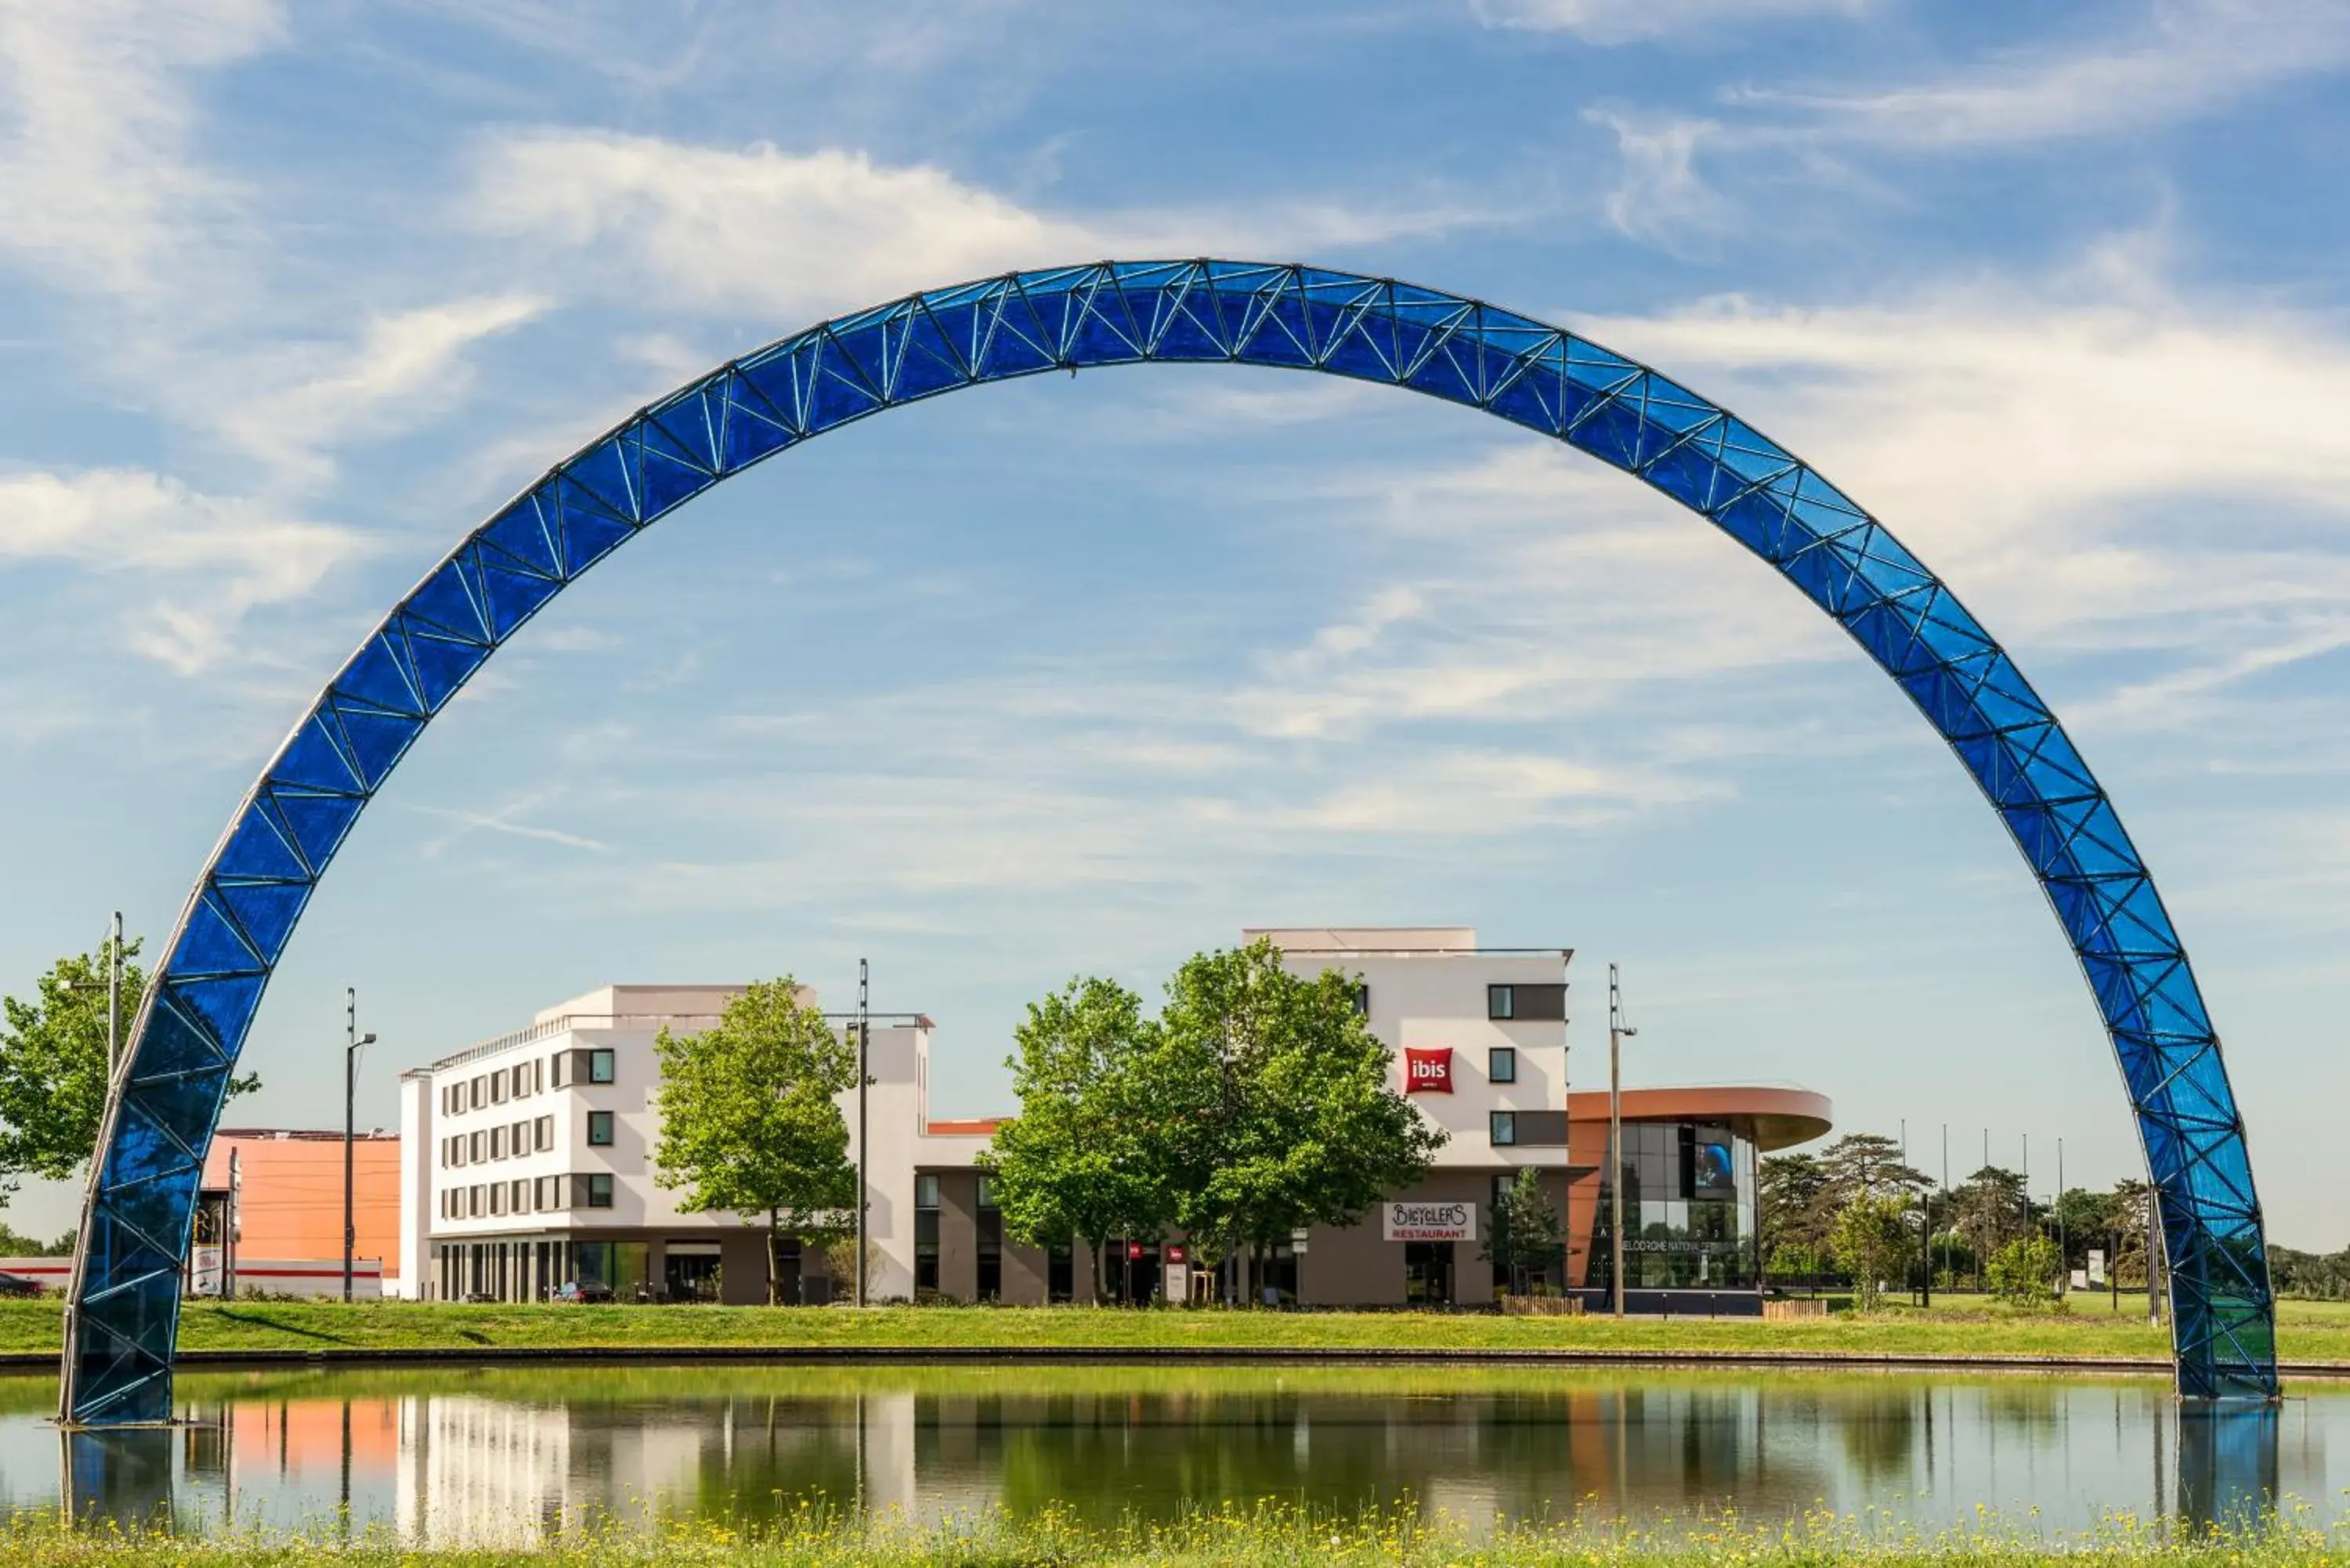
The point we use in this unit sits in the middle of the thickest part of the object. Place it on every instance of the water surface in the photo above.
(509, 1454)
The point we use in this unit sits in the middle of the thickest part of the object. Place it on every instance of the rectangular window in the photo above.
(1504, 1128)
(448, 1101)
(591, 1191)
(1362, 998)
(497, 1143)
(473, 1201)
(479, 1151)
(926, 1233)
(445, 1203)
(1500, 1001)
(545, 1128)
(561, 1060)
(926, 1193)
(497, 1196)
(546, 1185)
(599, 1066)
(478, 1094)
(457, 1150)
(600, 1129)
(1502, 1065)
(537, 1076)
(498, 1088)
(522, 1080)
(986, 1191)
(521, 1197)
(518, 1138)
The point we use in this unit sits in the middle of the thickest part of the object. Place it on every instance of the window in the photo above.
(478, 1094)
(546, 1128)
(457, 1150)
(497, 1196)
(447, 1100)
(986, 1191)
(599, 1129)
(546, 1186)
(537, 1076)
(1500, 1001)
(926, 1233)
(591, 1191)
(1502, 1065)
(518, 1139)
(926, 1193)
(498, 1088)
(481, 1149)
(560, 1061)
(1504, 1128)
(1362, 998)
(522, 1080)
(473, 1201)
(599, 1066)
(497, 1143)
(445, 1203)
(521, 1199)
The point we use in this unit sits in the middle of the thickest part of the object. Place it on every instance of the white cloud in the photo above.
(211, 559)
(1659, 195)
(1621, 21)
(408, 365)
(720, 228)
(99, 190)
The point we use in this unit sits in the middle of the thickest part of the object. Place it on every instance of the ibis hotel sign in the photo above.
(1427, 1071)
(1428, 1222)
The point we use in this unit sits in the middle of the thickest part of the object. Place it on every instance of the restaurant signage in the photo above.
(1428, 1222)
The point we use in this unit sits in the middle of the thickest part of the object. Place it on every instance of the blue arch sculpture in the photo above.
(123, 1309)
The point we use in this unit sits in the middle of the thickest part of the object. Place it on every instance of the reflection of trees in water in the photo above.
(1880, 1437)
(2030, 1408)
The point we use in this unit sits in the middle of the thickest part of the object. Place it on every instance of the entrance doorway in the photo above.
(1428, 1273)
(690, 1271)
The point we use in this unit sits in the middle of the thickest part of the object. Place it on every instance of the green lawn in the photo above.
(2308, 1331)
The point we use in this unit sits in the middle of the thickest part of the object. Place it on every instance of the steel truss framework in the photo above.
(166, 1098)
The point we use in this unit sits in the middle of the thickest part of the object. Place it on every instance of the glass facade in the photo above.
(1690, 1216)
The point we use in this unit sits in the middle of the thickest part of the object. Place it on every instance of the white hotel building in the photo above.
(527, 1160)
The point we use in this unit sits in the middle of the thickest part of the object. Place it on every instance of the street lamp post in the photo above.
(353, 1043)
(864, 1122)
(1618, 1033)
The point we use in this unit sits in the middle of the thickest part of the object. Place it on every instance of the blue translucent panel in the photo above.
(442, 664)
(1534, 400)
(753, 430)
(776, 385)
(589, 537)
(602, 471)
(859, 354)
(928, 363)
(378, 676)
(225, 1007)
(1191, 330)
(685, 429)
(836, 400)
(1439, 375)
(1107, 332)
(1275, 333)
(520, 535)
(514, 598)
(1688, 475)
(445, 601)
(256, 848)
(267, 911)
(316, 822)
(315, 759)
(211, 944)
(1610, 432)
(377, 740)
(180, 1037)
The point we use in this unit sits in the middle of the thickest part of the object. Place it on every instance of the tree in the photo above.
(1526, 1237)
(2086, 1221)
(1796, 1224)
(1989, 1210)
(2023, 1272)
(1084, 1156)
(1280, 1107)
(1872, 1243)
(54, 1066)
(749, 1123)
(1866, 1165)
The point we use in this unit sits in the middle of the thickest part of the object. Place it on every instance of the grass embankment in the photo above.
(1237, 1539)
(2307, 1331)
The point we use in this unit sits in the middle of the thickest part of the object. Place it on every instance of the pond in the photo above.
(506, 1455)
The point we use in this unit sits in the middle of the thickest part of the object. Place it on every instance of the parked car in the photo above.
(573, 1291)
(17, 1285)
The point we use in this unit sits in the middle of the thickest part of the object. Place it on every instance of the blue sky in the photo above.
(1085, 674)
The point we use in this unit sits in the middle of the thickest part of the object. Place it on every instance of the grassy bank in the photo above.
(1244, 1539)
(2307, 1331)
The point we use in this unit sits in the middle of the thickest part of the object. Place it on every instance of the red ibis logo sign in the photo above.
(1427, 1071)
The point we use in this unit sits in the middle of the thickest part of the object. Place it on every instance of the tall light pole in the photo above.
(864, 1141)
(114, 995)
(353, 1042)
(1618, 1033)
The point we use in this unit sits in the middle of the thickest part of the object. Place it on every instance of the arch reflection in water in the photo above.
(509, 1457)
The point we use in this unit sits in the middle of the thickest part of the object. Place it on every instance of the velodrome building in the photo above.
(527, 1160)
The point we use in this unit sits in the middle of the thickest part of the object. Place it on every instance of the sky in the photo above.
(1080, 675)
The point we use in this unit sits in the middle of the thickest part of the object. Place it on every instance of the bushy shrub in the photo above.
(2023, 1272)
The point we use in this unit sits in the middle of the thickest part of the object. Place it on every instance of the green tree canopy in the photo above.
(1796, 1218)
(750, 1122)
(1867, 1165)
(1286, 1113)
(54, 1066)
(1871, 1241)
(1084, 1158)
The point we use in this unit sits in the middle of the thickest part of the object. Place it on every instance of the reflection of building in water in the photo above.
(476, 1472)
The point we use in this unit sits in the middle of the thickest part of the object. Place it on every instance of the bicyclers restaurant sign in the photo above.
(1428, 1222)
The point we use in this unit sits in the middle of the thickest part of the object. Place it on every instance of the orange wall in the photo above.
(292, 1202)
